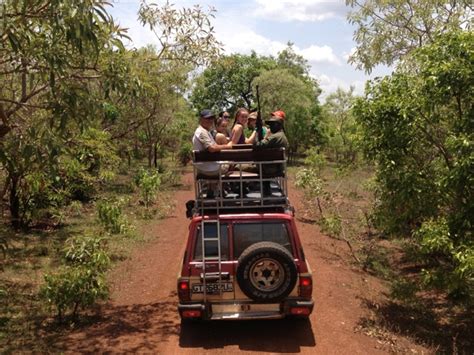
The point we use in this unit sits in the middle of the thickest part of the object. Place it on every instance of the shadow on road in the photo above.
(149, 327)
(436, 324)
(279, 336)
(135, 328)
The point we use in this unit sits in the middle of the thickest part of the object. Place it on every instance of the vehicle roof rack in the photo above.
(248, 180)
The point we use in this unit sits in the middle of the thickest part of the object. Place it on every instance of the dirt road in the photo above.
(142, 315)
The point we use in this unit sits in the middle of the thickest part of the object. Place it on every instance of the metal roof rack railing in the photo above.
(247, 179)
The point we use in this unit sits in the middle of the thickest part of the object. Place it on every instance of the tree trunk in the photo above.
(155, 155)
(150, 156)
(14, 201)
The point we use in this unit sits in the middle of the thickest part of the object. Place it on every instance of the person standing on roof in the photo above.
(203, 141)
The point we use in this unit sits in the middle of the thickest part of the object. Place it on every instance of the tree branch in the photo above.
(22, 102)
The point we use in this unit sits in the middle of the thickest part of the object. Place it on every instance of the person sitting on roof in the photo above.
(221, 134)
(275, 139)
(203, 141)
(252, 125)
(240, 122)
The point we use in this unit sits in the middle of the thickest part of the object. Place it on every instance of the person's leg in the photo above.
(221, 139)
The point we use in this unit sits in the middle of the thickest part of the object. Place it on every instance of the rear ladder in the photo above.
(205, 240)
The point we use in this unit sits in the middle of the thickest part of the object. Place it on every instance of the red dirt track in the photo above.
(142, 314)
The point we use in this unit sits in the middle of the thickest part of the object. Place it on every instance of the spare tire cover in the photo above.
(266, 272)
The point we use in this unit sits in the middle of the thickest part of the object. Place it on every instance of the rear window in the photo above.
(210, 231)
(246, 234)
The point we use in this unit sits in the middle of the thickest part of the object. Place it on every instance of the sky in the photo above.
(318, 29)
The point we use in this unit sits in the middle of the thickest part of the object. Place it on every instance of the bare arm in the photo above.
(218, 147)
(237, 131)
(252, 137)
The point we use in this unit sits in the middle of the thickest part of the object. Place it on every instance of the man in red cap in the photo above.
(276, 139)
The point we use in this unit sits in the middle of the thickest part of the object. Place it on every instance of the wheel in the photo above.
(266, 272)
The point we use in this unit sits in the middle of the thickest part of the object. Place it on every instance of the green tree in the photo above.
(418, 127)
(386, 31)
(185, 35)
(295, 63)
(227, 82)
(341, 128)
(280, 89)
(52, 55)
(70, 85)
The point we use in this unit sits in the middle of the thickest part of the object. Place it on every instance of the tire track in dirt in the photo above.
(142, 313)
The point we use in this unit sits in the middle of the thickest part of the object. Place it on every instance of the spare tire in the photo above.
(266, 272)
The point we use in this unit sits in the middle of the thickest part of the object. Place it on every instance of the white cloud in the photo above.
(242, 39)
(329, 84)
(317, 54)
(300, 10)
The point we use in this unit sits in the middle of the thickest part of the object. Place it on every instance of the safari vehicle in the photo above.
(244, 258)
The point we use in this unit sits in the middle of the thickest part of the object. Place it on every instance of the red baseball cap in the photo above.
(280, 114)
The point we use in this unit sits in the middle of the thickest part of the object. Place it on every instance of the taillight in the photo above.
(300, 311)
(192, 313)
(306, 286)
(184, 291)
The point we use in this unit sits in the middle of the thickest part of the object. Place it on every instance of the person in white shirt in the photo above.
(203, 141)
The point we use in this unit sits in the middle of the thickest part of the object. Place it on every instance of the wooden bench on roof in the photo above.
(242, 154)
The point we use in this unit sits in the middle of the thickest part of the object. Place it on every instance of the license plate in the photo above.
(213, 287)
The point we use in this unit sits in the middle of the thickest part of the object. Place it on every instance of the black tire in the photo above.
(266, 272)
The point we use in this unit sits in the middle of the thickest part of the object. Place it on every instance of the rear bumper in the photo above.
(245, 310)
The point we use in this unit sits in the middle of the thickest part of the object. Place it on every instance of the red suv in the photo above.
(254, 265)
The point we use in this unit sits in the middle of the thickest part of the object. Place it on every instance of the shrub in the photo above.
(185, 152)
(170, 178)
(315, 160)
(87, 251)
(331, 225)
(111, 218)
(308, 179)
(452, 265)
(81, 283)
(74, 288)
(148, 182)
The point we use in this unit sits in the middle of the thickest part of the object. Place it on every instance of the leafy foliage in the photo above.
(149, 183)
(185, 152)
(87, 251)
(111, 217)
(227, 83)
(73, 288)
(280, 89)
(82, 282)
(341, 130)
(185, 34)
(418, 128)
(389, 31)
(331, 225)
(309, 180)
